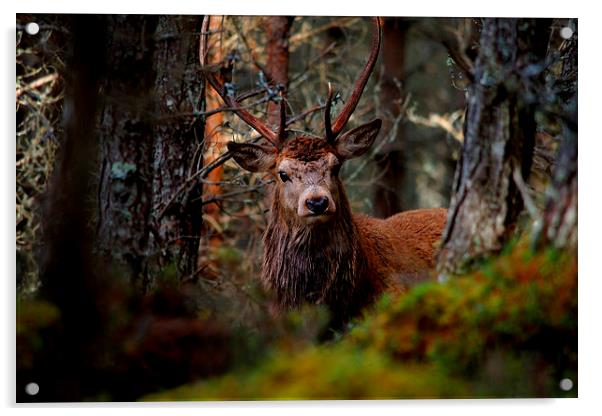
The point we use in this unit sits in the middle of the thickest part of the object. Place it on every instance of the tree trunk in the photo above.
(126, 137)
(277, 30)
(559, 223)
(151, 136)
(215, 144)
(499, 139)
(177, 144)
(390, 161)
(69, 279)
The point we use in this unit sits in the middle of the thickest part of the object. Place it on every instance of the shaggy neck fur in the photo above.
(320, 264)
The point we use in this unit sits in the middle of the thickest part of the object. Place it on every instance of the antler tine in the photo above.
(360, 84)
(217, 84)
(244, 115)
(327, 126)
(282, 125)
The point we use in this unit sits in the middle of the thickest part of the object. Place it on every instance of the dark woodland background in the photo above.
(139, 241)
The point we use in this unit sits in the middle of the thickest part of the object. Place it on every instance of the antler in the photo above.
(339, 124)
(217, 83)
(329, 135)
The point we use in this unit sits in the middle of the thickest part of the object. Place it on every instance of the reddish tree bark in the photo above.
(214, 145)
(277, 30)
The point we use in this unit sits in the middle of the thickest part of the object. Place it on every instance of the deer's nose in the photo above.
(317, 205)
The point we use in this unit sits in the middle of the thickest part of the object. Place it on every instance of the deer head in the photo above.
(305, 168)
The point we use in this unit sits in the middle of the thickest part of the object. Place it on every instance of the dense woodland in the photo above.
(139, 239)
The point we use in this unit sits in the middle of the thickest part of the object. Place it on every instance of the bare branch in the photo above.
(37, 83)
(346, 21)
(444, 121)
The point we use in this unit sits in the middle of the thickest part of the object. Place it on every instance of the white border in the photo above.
(506, 8)
(590, 67)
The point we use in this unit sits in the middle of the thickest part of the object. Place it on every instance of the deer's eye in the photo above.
(283, 176)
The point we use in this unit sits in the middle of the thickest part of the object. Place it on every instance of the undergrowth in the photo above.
(508, 329)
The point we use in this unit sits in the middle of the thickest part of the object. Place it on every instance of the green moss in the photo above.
(327, 372)
(229, 256)
(506, 330)
(519, 303)
(34, 317)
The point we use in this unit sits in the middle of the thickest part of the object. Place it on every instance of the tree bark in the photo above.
(499, 140)
(177, 145)
(151, 137)
(215, 144)
(69, 279)
(126, 137)
(559, 223)
(277, 30)
(390, 161)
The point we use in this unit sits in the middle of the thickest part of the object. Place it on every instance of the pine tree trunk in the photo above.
(277, 30)
(499, 140)
(126, 138)
(214, 146)
(177, 145)
(151, 134)
(390, 161)
(70, 279)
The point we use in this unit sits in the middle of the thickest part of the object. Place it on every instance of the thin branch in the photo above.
(346, 21)
(302, 115)
(311, 64)
(250, 50)
(439, 121)
(379, 146)
(525, 193)
(37, 84)
(221, 197)
(222, 109)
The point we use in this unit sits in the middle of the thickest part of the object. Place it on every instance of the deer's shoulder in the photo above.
(402, 248)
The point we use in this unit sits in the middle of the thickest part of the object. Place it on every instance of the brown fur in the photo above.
(348, 260)
(402, 247)
(306, 149)
(322, 264)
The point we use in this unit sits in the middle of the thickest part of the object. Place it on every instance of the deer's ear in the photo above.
(253, 157)
(357, 141)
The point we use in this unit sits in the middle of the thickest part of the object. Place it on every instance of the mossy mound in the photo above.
(325, 372)
(508, 329)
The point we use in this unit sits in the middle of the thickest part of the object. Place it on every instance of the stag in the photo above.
(314, 248)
